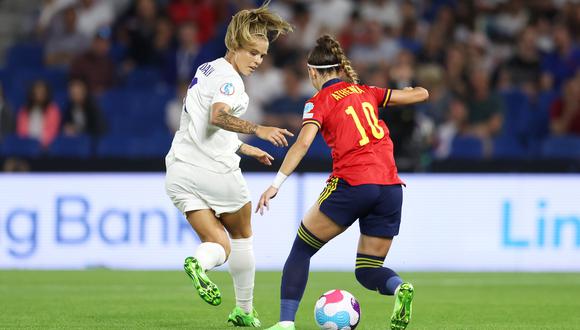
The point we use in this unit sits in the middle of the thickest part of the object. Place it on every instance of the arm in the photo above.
(408, 95)
(291, 161)
(220, 116)
(299, 149)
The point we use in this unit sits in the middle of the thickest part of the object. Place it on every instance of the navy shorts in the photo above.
(378, 207)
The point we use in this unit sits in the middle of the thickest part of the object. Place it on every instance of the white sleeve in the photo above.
(228, 91)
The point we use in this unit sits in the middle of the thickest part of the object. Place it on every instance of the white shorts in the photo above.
(194, 188)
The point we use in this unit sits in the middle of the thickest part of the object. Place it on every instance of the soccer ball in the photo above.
(337, 310)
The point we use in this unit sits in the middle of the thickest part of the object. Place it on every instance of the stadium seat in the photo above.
(153, 146)
(135, 113)
(517, 114)
(14, 146)
(25, 55)
(561, 147)
(113, 146)
(71, 146)
(507, 147)
(143, 78)
(466, 147)
(125, 146)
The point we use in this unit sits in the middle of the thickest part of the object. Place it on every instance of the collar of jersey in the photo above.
(331, 82)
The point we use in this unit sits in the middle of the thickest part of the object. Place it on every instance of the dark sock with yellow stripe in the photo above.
(369, 271)
(295, 274)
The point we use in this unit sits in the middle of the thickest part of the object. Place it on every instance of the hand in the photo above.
(274, 135)
(408, 88)
(262, 156)
(265, 199)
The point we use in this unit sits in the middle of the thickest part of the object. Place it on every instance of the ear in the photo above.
(312, 72)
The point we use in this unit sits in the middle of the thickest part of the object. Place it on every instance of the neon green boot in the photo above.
(239, 318)
(403, 307)
(207, 290)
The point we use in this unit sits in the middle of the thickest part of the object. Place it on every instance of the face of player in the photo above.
(247, 59)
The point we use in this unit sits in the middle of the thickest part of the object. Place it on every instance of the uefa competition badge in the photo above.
(307, 108)
(227, 89)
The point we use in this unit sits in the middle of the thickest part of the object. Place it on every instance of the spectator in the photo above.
(387, 13)
(163, 45)
(81, 116)
(485, 106)
(180, 64)
(6, 116)
(39, 118)
(137, 32)
(511, 19)
(523, 68)
(286, 110)
(564, 61)
(455, 124)
(379, 49)
(174, 107)
(48, 10)
(94, 15)
(199, 11)
(64, 41)
(95, 66)
(565, 112)
(266, 84)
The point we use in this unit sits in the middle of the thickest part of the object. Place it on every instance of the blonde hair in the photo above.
(247, 24)
(328, 52)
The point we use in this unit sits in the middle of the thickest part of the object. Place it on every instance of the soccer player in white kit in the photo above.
(203, 177)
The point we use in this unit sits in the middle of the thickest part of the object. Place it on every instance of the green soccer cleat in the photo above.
(239, 318)
(207, 290)
(277, 326)
(403, 307)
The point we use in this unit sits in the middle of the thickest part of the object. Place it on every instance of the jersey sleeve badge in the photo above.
(308, 107)
(228, 89)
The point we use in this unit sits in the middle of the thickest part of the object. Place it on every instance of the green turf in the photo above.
(126, 299)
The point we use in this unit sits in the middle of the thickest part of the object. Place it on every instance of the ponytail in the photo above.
(327, 54)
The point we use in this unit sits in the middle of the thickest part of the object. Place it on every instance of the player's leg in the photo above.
(377, 231)
(211, 253)
(372, 275)
(242, 265)
(315, 230)
(183, 183)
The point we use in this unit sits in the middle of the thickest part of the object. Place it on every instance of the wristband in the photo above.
(279, 179)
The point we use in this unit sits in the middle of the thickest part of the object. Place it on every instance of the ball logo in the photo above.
(307, 108)
(227, 89)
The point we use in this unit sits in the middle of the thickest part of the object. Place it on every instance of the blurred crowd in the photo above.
(105, 78)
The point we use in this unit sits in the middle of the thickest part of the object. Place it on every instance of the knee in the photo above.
(221, 240)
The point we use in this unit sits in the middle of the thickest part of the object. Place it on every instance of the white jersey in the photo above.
(197, 141)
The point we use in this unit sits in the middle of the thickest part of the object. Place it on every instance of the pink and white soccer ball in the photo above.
(337, 310)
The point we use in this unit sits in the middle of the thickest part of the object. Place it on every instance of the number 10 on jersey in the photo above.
(372, 119)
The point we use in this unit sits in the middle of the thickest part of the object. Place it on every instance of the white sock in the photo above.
(243, 269)
(210, 255)
(286, 324)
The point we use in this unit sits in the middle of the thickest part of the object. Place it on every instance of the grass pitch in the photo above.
(135, 299)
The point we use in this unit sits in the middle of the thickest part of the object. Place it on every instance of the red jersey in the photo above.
(347, 116)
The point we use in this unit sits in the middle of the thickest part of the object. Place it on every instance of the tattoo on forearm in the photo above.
(234, 124)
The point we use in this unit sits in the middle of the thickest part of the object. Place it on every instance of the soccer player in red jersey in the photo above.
(364, 183)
